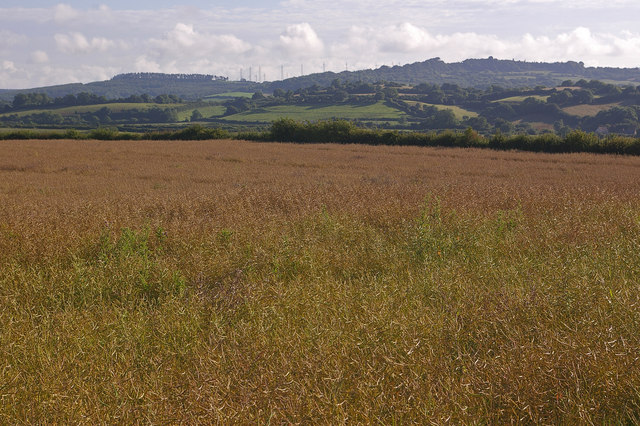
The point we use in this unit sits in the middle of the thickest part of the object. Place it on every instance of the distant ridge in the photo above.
(174, 77)
(479, 73)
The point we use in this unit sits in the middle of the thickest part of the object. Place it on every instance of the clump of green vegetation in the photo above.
(346, 132)
(340, 131)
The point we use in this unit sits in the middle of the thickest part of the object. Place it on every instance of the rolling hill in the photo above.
(477, 73)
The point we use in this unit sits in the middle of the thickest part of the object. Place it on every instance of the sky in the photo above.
(49, 42)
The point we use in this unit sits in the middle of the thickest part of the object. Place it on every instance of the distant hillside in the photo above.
(478, 73)
(471, 73)
(186, 86)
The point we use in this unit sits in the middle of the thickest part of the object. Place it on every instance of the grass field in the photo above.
(236, 282)
(230, 95)
(459, 112)
(518, 99)
(206, 111)
(538, 125)
(588, 110)
(377, 111)
(81, 109)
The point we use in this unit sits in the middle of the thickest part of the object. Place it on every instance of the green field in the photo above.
(378, 111)
(230, 95)
(81, 109)
(206, 111)
(459, 112)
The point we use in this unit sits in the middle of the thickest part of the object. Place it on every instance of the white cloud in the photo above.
(581, 44)
(64, 12)
(39, 57)
(183, 35)
(404, 38)
(301, 40)
(409, 43)
(222, 40)
(185, 42)
(78, 43)
(144, 64)
(9, 66)
(9, 39)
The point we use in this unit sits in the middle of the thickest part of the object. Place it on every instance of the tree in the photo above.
(584, 96)
(196, 115)
(22, 100)
(444, 119)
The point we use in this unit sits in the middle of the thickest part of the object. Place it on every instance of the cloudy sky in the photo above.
(48, 42)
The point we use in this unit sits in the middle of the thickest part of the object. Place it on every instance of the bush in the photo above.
(104, 133)
(199, 132)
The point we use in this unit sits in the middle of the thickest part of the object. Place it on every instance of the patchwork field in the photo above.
(237, 282)
(377, 111)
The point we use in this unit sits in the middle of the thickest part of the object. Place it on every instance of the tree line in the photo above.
(344, 132)
(23, 101)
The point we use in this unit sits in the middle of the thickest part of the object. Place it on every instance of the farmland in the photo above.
(184, 114)
(582, 105)
(517, 99)
(460, 113)
(377, 111)
(230, 95)
(83, 109)
(237, 282)
(589, 110)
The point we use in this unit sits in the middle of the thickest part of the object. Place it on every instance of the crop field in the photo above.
(588, 110)
(377, 111)
(237, 282)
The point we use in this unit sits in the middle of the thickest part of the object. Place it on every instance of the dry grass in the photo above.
(243, 282)
(589, 110)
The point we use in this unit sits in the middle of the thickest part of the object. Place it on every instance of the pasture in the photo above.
(208, 111)
(459, 112)
(518, 99)
(377, 111)
(82, 109)
(237, 282)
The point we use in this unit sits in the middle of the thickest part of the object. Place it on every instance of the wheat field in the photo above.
(238, 282)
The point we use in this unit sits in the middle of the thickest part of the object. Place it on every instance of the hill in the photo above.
(587, 105)
(476, 73)
(192, 87)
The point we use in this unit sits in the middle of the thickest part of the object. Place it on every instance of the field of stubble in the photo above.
(227, 281)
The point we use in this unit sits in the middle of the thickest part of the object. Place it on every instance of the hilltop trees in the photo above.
(27, 100)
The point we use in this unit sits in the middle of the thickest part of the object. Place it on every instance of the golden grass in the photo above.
(228, 281)
(589, 110)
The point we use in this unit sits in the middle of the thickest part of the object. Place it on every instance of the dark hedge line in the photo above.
(344, 132)
(287, 130)
(194, 132)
